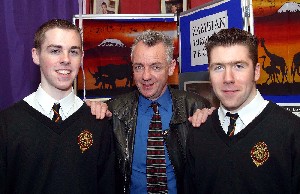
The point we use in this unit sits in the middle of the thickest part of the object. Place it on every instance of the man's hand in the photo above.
(200, 116)
(99, 109)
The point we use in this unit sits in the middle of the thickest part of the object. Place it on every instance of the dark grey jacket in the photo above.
(124, 109)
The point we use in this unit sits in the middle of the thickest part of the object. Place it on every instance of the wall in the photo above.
(196, 3)
(139, 6)
(148, 6)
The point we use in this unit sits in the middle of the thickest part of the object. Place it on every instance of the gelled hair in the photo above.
(231, 37)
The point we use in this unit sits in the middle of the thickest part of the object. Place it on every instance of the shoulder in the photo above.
(284, 113)
(123, 100)
(279, 116)
(83, 118)
(16, 113)
(280, 111)
(17, 107)
(189, 97)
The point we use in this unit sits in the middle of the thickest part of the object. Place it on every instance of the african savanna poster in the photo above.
(277, 25)
(107, 48)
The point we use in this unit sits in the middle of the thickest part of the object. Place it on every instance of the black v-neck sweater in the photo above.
(38, 155)
(262, 158)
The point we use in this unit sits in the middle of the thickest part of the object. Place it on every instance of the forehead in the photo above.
(228, 54)
(144, 52)
(62, 36)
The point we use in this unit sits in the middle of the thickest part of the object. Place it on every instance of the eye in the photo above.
(54, 51)
(156, 67)
(218, 67)
(240, 66)
(75, 52)
(138, 68)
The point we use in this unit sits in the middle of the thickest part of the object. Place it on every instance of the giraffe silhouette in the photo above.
(272, 71)
(276, 61)
(295, 66)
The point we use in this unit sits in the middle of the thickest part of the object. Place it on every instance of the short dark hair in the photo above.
(39, 36)
(234, 36)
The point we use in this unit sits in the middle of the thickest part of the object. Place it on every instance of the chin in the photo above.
(65, 87)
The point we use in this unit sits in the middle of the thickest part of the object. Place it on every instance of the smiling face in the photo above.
(233, 75)
(59, 58)
(151, 69)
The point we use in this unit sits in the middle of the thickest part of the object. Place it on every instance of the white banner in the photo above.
(200, 31)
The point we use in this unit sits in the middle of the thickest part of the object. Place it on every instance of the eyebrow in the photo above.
(60, 47)
(229, 63)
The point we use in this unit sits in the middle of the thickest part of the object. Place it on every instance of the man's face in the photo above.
(59, 60)
(151, 69)
(233, 75)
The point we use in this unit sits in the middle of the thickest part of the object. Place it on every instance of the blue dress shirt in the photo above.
(145, 112)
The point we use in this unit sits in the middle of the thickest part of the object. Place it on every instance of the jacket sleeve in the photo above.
(199, 102)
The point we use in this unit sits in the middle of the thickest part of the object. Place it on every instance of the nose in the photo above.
(146, 73)
(65, 58)
(228, 76)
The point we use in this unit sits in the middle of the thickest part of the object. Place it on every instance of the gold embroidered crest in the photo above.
(259, 153)
(85, 140)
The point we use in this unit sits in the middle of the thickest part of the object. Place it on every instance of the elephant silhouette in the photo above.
(109, 74)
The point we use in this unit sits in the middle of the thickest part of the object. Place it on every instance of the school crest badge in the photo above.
(259, 153)
(85, 140)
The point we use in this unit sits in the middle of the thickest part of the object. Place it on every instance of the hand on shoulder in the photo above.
(200, 116)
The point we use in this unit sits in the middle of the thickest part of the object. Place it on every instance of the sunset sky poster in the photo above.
(277, 25)
(107, 47)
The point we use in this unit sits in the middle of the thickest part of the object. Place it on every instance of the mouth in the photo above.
(63, 71)
(147, 85)
(230, 91)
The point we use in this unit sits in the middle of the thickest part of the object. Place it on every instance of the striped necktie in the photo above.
(232, 125)
(156, 161)
(56, 116)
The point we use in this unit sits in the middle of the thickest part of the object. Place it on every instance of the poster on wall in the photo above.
(199, 23)
(277, 25)
(107, 46)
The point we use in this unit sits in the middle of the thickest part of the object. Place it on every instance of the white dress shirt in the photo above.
(43, 102)
(246, 114)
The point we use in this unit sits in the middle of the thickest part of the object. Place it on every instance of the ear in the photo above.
(257, 71)
(172, 67)
(35, 56)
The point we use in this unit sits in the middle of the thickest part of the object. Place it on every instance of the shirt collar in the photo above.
(67, 103)
(247, 113)
(46, 101)
(254, 108)
(163, 101)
